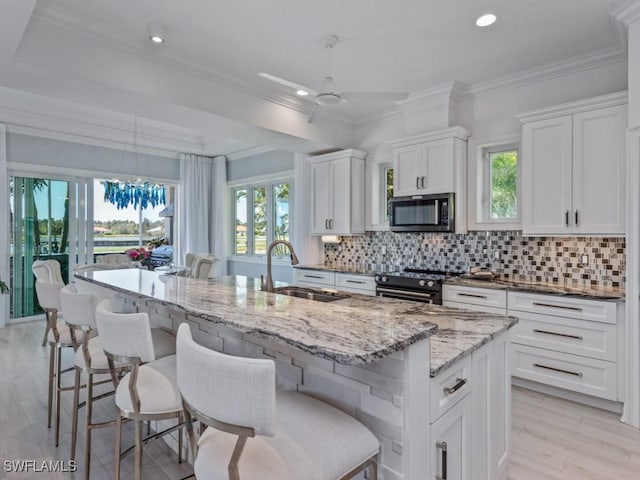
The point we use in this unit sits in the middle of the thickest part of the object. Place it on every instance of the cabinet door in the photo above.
(321, 179)
(408, 170)
(546, 176)
(599, 171)
(438, 173)
(340, 217)
(454, 429)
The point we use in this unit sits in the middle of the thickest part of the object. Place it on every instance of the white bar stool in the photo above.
(79, 312)
(149, 392)
(48, 271)
(258, 433)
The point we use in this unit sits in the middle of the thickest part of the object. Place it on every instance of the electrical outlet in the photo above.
(383, 250)
(584, 259)
(496, 255)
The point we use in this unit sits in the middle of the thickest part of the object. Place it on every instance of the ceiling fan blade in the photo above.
(373, 96)
(287, 83)
(316, 113)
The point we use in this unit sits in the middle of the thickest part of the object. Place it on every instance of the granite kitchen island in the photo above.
(406, 370)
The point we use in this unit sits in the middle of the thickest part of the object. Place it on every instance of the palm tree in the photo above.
(3, 288)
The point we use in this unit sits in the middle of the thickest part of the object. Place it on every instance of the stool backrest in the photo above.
(49, 294)
(124, 334)
(234, 390)
(47, 271)
(202, 266)
(79, 308)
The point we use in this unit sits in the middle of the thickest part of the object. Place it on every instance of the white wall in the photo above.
(29, 150)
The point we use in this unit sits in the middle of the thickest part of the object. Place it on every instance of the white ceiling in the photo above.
(384, 45)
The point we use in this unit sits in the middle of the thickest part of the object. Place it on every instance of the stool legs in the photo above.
(52, 361)
(87, 425)
(118, 436)
(74, 420)
(138, 452)
(51, 317)
(58, 386)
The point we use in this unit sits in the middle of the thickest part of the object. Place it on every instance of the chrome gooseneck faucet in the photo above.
(294, 261)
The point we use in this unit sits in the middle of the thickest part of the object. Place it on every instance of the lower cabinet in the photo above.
(470, 411)
(347, 282)
(451, 443)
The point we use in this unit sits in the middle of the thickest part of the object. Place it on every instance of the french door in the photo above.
(49, 219)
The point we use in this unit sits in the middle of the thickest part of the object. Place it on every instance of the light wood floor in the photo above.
(552, 439)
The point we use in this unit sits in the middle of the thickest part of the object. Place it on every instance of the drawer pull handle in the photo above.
(472, 295)
(460, 382)
(355, 281)
(546, 332)
(313, 276)
(577, 374)
(564, 307)
(443, 448)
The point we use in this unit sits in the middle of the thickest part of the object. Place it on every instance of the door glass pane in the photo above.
(40, 230)
(260, 220)
(241, 222)
(281, 216)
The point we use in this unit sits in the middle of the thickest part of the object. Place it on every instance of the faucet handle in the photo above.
(263, 286)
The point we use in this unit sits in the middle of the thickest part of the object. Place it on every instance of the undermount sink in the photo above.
(311, 294)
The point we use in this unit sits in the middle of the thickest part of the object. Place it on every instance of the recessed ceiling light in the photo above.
(486, 20)
(302, 93)
(157, 32)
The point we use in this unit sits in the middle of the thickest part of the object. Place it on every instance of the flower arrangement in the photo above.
(138, 254)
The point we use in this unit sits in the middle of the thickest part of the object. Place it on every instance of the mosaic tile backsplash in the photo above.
(507, 254)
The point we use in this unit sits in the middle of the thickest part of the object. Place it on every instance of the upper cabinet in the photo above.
(433, 163)
(337, 192)
(573, 168)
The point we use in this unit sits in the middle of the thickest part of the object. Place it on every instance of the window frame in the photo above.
(479, 182)
(269, 184)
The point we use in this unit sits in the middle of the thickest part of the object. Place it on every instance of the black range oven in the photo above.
(412, 284)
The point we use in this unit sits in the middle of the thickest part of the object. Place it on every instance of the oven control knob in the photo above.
(421, 283)
(430, 283)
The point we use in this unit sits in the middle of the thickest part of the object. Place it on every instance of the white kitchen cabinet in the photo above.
(573, 168)
(451, 443)
(346, 282)
(337, 184)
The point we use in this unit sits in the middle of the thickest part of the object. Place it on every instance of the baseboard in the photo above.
(609, 405)
(33, 318)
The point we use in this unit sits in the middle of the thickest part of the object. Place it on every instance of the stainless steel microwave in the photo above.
(422, 213)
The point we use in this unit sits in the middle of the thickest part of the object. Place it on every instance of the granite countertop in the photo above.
(357, 330)
(353, 270)
(588, 292)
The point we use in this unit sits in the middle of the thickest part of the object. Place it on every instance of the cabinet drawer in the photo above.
(475, 308)
(345, 281)
(569, 335)
(449, 387)
(579, 374)
(593, 310)
(315, 276)
(477, 296)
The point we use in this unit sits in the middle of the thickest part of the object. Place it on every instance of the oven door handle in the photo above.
(404, 293)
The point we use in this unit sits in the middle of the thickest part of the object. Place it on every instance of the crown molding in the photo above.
(451, 132)
(629, 13)
(446, 91)
(351, 152)
(63, 19)
(545, 73)
(249, 152)
(29, 114)
(602, 101)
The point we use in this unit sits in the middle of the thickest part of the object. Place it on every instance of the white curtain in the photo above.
(4, 226)
(201, 208)
(308, 248)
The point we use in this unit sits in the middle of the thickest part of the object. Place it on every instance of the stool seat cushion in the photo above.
(164, 343)
(157, 388)
(96, 353)
(313, 441)
(64, 335)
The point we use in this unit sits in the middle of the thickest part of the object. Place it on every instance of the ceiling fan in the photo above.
(328, 94)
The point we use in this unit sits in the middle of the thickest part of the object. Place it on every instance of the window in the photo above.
(500, 175)
(261, 215)
(388, 190)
